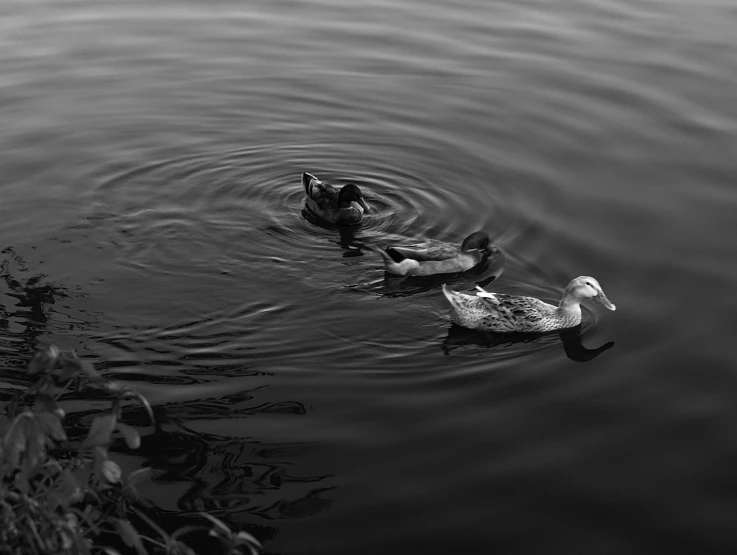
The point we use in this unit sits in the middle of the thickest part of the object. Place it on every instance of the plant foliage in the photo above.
(69, 500)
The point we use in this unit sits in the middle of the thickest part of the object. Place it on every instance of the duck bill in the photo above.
(363, 204)
(601, 297)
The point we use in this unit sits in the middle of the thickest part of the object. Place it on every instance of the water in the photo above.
(151, 218)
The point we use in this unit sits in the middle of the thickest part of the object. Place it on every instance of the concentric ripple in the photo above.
(225, 231)
(152, 218)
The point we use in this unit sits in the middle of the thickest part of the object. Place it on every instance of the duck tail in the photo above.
(457, 307)
(307, 181)
(450, 295)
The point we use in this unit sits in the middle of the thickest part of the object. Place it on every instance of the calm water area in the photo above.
(151, 217)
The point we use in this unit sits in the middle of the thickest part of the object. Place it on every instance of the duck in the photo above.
(339, 207)
(497, 312)
(436, 257)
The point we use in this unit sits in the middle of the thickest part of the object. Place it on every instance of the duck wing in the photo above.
(428, 250)
(319, 191)
(322, 199)
(515, 308)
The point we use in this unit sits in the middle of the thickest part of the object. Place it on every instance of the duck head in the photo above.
(478, 240)
(351, 193)
(586, 287)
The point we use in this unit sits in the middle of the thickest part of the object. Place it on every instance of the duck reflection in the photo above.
(347, 241)
(572, 339)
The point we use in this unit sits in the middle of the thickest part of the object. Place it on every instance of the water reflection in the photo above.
(170, 146)
(201, 449)
(349, 243)
(572, 339)
(24, 310)
(309, 505)
(347, 234)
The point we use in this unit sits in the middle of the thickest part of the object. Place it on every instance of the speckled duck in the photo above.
(513, 313)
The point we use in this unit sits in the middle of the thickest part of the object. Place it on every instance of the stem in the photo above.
(151, 523)
(63, 389)
(153, 541)
(36, 535)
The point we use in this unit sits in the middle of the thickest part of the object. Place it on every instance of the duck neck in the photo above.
(570, 307)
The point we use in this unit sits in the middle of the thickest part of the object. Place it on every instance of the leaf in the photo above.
(110, 551)
(132, 438)
(72, 491)
(130, 535)
(112, 387)
(141, 399)
(46, 386)
(89, 370)
(36, 447)
(21, 483)
(247, 539)
(67, 540)
(111, 471)
(102, 427)
(44, 402)
(233, 543)
(220, 527)
(50, 424)
(134, 479)
(138, 476)
(188, 529)
(43, 361)
(100, 454)
(16, 439)
(244, 539)
(38, 364)
(71, 366)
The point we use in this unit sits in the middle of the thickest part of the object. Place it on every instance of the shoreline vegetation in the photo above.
(64, 494)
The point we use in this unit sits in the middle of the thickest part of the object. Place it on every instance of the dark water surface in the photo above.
(151, 217)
